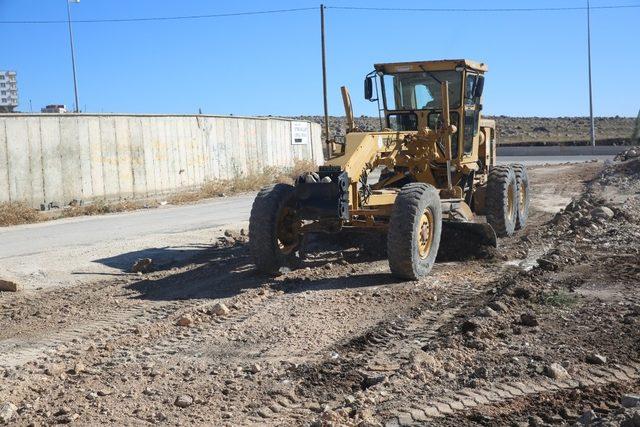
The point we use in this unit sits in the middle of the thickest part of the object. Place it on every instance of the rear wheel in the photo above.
(274, 229)
(501, 200)
(524, 199)
(414, 231)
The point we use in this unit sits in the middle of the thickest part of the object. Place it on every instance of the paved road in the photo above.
(87, 231)
(84, 249)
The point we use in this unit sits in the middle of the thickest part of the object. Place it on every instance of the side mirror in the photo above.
(368, 88)
(477, 93)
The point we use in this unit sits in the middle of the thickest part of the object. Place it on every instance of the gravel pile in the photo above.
(631, 153)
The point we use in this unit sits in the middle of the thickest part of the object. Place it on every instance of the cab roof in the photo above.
(439, 65)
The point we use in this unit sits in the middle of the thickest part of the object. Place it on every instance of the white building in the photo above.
(8, 91)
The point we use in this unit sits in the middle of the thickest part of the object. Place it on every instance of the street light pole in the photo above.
(593, 126)
(324, 76)
(73, 56)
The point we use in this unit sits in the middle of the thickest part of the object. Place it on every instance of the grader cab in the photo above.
(436, 160)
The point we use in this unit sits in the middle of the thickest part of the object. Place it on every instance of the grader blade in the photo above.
(473, 233)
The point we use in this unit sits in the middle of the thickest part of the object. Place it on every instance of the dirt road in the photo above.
(81, 250)
(544, 327)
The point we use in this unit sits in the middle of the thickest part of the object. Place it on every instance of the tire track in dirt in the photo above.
(115, 321)
(389, 345)
(381, 349)
(17, 352)
(499, 393)
(625, 373)
(205, 342)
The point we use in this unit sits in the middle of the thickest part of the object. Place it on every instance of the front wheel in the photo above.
(524, 198)
(274, 229)
(501, 200)
(414, 231)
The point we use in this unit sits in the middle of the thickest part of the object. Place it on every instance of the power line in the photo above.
(301, 9)
(527, 9)
(166, 18)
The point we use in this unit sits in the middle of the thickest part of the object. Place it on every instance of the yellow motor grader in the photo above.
(436, 161)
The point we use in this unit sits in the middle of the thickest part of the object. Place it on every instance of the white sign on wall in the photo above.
(300, 132)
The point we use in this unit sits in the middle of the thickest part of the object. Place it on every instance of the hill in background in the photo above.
(525, 130)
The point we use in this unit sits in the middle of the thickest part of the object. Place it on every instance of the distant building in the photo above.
(54, 108)
(8, 91)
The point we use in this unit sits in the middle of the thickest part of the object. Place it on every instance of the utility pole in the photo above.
(593, 126)
(635, 138)
(324, 76)
(73, 55)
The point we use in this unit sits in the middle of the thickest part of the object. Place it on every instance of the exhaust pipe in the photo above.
(348, 109)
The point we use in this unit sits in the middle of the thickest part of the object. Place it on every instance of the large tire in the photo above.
(501, 200)
(524, 198)
(414, 231)
(274, 241)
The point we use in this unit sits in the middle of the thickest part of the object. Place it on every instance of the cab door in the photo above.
(474, 84)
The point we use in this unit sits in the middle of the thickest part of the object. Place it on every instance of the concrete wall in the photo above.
(61, 157)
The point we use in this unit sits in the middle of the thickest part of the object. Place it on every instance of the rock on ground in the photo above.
(220, 309)
(528, 319)
(143, 265)
(602, 212)
(7, 411)
(556, 371)
(183, 401)
(630, 400)
(596, 359)
(9, 286)
(185, 321)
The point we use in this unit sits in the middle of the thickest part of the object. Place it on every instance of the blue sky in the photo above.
(270, 64)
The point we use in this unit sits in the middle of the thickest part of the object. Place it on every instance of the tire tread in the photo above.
(497, 200)
(410, 204)
(263, 226)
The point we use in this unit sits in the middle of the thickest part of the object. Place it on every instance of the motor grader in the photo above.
(436, 160)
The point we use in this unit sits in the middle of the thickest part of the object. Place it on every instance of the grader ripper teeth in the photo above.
(436, 160)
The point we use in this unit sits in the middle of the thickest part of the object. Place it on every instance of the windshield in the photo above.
(421, 91)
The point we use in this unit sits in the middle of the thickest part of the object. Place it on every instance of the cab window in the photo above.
(434, 122)
(468, 89)
(403, 122)
(423, 96)
(471, 111)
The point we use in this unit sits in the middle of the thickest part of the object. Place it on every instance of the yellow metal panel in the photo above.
(360, 149)
(440, 65)
(382, 198)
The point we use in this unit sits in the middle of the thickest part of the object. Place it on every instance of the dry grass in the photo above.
(243, 183)
(17, 213)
